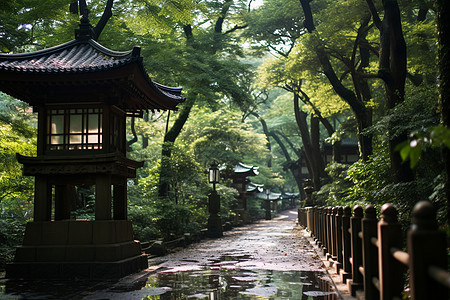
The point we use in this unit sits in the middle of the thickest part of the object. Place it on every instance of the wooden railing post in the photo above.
(309, 219)
(323, 230)
(313, 222)
(346, 244)
(355, 227)
(329, 232)
(316, 226)
(389, 237)
(426, 247)
(333, 234)
(370, 252)
(338, 217)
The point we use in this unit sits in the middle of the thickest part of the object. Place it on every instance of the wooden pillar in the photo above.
(390, 270)
(333, 237)
(322, 229)
(346, 244)
(120, 201)
(329, 232)
(62, 202)
(103, 197)
(42, 199)
(427, 248)
(356, 248)
(370, 252)
(340, 260)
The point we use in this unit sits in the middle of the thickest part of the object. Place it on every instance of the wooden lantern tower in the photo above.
(82, 93)
(240, 182)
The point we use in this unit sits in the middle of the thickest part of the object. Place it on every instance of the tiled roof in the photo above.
(86, 56)
(72, 57)
(248, 170)
(271, 196)
(254, 187)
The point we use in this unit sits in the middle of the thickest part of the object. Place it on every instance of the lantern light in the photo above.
(214, 174)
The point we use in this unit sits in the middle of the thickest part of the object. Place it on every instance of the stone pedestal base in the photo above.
(82, 249)
(214, 221)
(214, 227)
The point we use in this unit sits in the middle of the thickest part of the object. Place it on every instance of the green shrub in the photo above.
(11, 235)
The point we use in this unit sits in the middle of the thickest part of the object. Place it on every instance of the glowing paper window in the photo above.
(75, 129)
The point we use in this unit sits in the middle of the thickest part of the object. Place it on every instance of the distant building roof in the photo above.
(245, 170)
(254, 187)
(65, 72)
(272, 196)
(290, 195)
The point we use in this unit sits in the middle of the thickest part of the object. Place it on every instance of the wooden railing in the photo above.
(368, 255)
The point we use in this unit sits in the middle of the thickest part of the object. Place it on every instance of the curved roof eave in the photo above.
(88, 56)
(240, 168)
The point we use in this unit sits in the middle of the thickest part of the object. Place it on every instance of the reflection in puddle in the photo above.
(239, 284)
(208, 283)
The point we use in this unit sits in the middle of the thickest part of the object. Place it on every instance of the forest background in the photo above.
(267, 83)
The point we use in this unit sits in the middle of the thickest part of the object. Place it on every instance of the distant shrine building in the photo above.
(82, 93)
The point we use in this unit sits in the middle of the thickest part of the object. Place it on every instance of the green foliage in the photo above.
(222, 136)
(87, 211)
(433, 137)
(11, 235)
(255, 208)
(16, 136)
(371, 181)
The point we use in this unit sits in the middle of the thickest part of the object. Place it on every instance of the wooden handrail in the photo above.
(377, 263)
(401, 256)
(374, 242)
(440, 275)
(361, 270)
(376, 282)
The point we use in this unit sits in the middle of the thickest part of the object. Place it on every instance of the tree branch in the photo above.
(309, 21)
(133, 131)
(375, 16)
(107, 14)
(235, 28)
(266, 132)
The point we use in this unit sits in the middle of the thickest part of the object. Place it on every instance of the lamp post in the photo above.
(214, 174)
(214, 220)
(268, 213)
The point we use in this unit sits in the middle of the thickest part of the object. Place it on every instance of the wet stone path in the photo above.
(265, 260)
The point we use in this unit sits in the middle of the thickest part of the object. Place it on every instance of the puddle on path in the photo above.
(216, 284)
(207, 283)
(240, 284)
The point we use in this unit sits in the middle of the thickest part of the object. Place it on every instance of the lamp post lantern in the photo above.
(268, 213)
(214, 221)
(214, 174)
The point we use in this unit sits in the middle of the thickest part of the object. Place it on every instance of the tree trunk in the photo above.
(330, 129)
(300, 118)
(133, 132)
(443, 27)
(392, 70)
(172, 134)
(167, 147)
(266, 132)
(107, 14)
(292, 166)
(363, 90)
(145, 135)
(315, 144)
(357, 106)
